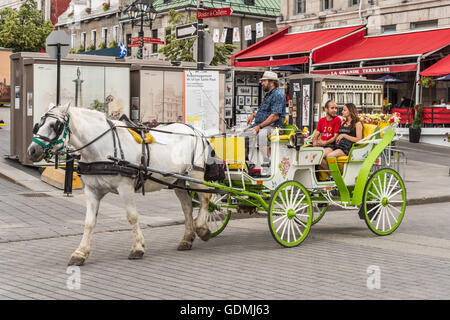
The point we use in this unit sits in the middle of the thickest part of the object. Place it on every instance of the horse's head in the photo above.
(49, 133)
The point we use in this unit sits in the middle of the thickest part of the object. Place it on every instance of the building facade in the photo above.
(380, 16)
(44, 5)
(91, 26)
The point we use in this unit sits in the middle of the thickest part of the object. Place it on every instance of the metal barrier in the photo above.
(391, 157)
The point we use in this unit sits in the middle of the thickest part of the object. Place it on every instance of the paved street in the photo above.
(244, 262)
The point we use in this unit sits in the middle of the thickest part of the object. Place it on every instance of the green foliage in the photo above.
(113, 44)
(182, 50)
(80, 49)
(97, 105)
(24, 29)
(417, 122)
(102, 46)
(72, 51)
(91, 48)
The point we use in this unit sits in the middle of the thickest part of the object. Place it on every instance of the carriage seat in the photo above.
(230, 149)
(368, 129)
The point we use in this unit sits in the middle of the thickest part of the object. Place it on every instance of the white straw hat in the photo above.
(269, 75)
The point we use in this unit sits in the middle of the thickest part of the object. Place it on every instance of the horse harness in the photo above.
(117, 166)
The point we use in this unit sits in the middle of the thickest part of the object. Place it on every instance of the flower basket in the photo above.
(447, 135)
(426, 82)
(105, 6)
(88, 10)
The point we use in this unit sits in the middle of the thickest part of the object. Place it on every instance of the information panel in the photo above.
(201, 100)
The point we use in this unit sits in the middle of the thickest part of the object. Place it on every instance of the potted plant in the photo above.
(414, 129)
(88, 10)
(447, 135)
(102, 46)
(105, 6)
(113, 44)
(80, 49)
(91, 48)
(426, 82)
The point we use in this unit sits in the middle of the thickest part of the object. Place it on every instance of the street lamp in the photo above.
(142, 9)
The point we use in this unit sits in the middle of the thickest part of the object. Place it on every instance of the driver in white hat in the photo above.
(271, 112)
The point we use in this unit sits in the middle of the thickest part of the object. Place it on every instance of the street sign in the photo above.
(55, 38)
(186, 31)
(135, 41)
(214, 13)
(208, 47)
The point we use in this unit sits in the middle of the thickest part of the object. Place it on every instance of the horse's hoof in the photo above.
(76, 261)
(184, 245)
(203, 233)
(134, 255)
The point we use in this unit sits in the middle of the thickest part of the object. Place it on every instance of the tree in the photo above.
(182, 50)
(24, 29)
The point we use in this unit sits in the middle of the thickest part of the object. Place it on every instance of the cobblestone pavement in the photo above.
(244, 262)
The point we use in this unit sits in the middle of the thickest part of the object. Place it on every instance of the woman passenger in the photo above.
(350, 132)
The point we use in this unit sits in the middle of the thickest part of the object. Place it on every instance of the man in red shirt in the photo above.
(327, 127)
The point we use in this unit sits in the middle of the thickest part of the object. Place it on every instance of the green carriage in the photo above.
(293, 193)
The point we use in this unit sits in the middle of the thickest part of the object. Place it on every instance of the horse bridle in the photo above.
(61, 127)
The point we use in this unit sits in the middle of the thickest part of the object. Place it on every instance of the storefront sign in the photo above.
(367, 70)
(214, 13)
(201, 100)
(259, 30)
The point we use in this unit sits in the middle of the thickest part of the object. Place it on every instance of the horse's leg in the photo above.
(84, 249)
(186, 205)
(126, 193)
(201, 228)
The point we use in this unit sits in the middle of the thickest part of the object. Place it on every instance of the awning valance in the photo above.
(403, 45)
(440, 68)
(368, 70)
(283, 48)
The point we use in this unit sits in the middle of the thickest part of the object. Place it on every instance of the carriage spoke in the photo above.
(284, 228)
(282, 223)
(375, 186)
(374, 195)
(293, 231)
(388, 185)
(279, 218)
(296, 196)
(374, 208)
(384, 184)
(376, 213)
(299, 203)
(299, 231)
(392, 189)
(395, 209)
(387, 218)
(379, 217)
(299, 221)
(282, 200)
(389, 210)
(393, 195)
(289, 231)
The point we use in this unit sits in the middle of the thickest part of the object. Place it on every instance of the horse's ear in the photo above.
(66, 108)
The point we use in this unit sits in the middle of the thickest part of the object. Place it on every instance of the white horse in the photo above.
(175, 155)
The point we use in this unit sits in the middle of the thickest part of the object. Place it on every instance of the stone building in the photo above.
(43, 5)
(90, 26)
(380, 16)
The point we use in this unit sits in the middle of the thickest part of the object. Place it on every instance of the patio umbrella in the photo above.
(443, 78)
(389, 79)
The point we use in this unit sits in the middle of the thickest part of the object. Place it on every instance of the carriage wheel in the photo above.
(290, 214)
(319, 210)
(218, 212)
(384, 201)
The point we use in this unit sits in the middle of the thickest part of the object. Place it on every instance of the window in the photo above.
(73, 40)
(327, 4)
(389, 28)
(105, 36)
(249, 2)
(128, 43)
(353, 3)
(229, 38)
(83, 40)
(155, 46)
(424, 24)
(168, 32)
(116, 34)
(93, 38)
(89, 4)
(250, 42)
(300, 6)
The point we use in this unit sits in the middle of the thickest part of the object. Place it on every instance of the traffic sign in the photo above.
(135, 41)
(214, 13)
(186, 31)
(208, 47)
(55, 38)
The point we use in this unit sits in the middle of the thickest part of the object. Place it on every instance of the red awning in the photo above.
(440, 68)
(285, 48)
(411, 44)
(368, 70)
